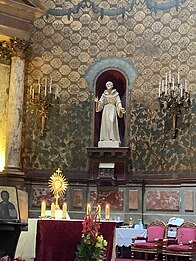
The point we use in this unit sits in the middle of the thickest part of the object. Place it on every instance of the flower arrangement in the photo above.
(93, 245)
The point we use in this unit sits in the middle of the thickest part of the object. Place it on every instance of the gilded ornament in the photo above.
(46, 69)
(58, 185)
(55, 75)
(166, 18)
(191, 33)
(139, 29)
(191, 47)
(112, 25)
(94, 25)
(82, 96)
(184, 28)
(37, 49)
(121, 43)
(57, 25)
(19, 47)
(165, 45)
(82, 83)
(65, 57)
(82, 69)
(5, 53)
(111, 50)
(175, 23)
(66, 45)
(183, 68)
(66, 31)
(165, 58)
(112, 37)
(102, 44)
(139, 41)
(184, 42)
(129, 48)
(38, 36)
(65, 95)
(174, 50)
(37, 62)
(139, 16)
(157, 26)
(85, 19)
(174, 37)
(191, 61)
(130, 36)
(39, 23)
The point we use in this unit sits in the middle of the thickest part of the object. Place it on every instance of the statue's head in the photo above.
(109, 85)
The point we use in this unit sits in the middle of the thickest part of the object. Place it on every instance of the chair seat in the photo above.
(179, 248)
(144, 245)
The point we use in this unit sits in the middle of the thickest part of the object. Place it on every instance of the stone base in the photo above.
(109, 144)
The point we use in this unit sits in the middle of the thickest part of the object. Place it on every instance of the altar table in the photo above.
(57, 240)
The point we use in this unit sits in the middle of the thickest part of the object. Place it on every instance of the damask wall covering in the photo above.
(64, 49)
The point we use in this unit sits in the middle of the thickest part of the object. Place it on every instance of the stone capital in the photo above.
(19, 47)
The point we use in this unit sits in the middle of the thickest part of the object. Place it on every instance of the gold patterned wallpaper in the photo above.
(64, 49)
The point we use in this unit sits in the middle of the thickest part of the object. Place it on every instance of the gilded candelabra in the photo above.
(174, 97)
(43, 96)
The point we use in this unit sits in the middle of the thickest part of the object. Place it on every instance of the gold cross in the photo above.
(58, 171)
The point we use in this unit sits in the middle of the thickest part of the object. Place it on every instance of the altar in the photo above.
(56, 240)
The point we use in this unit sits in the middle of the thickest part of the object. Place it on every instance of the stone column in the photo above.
(15, 109)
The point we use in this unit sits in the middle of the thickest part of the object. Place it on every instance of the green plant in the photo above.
(93, 245)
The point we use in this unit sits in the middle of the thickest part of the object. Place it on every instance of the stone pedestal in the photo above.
(108, 165)
(109, 144)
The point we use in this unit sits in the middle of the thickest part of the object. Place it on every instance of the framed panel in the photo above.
(77, 198)
(9, 208)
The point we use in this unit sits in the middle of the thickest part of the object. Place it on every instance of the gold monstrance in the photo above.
(58, 185)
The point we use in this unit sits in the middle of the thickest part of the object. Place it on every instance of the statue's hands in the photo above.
(96, 99)
(122, 110)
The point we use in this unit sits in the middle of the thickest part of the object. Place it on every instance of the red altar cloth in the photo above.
(57, 239)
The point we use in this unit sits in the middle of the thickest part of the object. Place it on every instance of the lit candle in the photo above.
(178, 77)
(50, 85)
(39, 86)
(99, 212)
(53, 208)
(64, 214)
(30, 90)
(43, 209)
(56, 93)
(45, 86)
(107, 212)
(88, 209)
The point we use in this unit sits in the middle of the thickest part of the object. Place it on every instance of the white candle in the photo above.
(165, 79)
(163, 88)
(45, 86)
(43, 209)
(64, 213)
(55, 93)
(169, 76)
(50, 85)
(173, 84)
(159, 89)
(39, 86)
(30, 91)
(107, 212)
(53, 208)
(99, 212)
(88, 209)
(185, 85)
(178, 77)
(33, 93)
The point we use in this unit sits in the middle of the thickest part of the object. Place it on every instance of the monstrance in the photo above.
(58, 185)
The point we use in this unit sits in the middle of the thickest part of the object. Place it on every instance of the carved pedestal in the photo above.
(109, 165)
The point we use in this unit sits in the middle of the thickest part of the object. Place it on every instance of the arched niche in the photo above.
(122, 73)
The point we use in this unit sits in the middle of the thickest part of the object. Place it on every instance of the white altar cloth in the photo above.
(124, 235)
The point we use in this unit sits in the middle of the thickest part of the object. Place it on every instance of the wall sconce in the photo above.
(43, 97)
(174, 97)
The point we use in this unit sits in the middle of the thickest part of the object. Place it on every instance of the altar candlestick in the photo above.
(43, 209)
(33, 93)
(88, 209)
(107, 212)
(163, 89)
(181, 91)
(99, 212)
(173, 84)
(53, 208)
(185, 85)
(64, 214)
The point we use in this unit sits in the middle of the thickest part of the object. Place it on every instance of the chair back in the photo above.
(156, 229)
(186, 232)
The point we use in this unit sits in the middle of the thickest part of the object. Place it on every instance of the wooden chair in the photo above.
(184, 245)
(152, 243)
